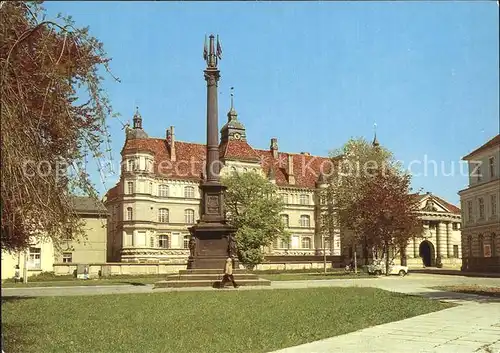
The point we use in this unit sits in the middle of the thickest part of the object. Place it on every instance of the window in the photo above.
(478, 172)
(493, 202)
(186, 242)
(163, 241)
(163, 215)
(129, 213)
(455, 251)
(284, 198)
(189, 216)
(130, 187)
(163, 190)
(481, 245)
(306, 243)
(130, 165)
(67, 257)
(469, 210)
(34, 261)
(305, 221)
(304, 199)
(283, 243)
(285, 219)
(189, 192)
(455, 226)
(480, 202)
(492, 166)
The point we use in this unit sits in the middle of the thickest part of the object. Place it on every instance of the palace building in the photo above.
(480, 210)
(157, 199)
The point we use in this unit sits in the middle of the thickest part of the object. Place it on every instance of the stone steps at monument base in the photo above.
(209, 276)
(210, 283)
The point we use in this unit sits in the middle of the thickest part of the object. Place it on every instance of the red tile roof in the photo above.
(239, 150)
(495, 141)
(190, 159)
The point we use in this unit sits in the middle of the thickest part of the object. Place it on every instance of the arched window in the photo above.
(163, 190)
(129, 213)
(163, 215)
(186, 242)
(189, 216)
(189, 192)
(306, 243)
(305, 221)
(304, 199)
(233, 170)
(163, 241)
(285, 219)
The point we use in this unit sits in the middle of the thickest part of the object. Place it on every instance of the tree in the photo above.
(354, 163)
(254, 208)
(388, 213)
(54, 114)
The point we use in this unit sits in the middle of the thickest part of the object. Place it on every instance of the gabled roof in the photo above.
(239, 150)
(445, 204)
(495, 141)
(87, 205)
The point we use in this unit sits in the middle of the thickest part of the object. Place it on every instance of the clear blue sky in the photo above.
(312, 74)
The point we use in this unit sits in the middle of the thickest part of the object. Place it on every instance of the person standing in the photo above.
(17, 274)
(228, 273)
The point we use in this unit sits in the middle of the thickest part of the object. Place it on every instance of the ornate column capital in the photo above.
(212, 77)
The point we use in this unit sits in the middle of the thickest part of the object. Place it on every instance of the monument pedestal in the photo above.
(212, 246)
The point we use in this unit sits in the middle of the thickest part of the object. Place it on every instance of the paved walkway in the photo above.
(473, 326)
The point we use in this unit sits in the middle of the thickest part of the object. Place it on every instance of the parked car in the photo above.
(378, 268)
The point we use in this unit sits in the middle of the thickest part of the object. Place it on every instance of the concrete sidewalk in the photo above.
(467, 328)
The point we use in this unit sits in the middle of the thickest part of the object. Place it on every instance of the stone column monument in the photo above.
(212, 237)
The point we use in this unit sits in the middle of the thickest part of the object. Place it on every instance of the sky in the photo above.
(312, 74)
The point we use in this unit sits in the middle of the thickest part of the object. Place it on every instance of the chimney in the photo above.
(291, 177)
(171, 143)
(274, 147)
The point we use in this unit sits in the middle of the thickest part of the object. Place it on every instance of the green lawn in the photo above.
(224, 321)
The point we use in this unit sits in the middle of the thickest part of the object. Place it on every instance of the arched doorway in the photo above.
(426, 252)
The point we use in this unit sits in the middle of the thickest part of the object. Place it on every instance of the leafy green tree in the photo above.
(54, 113)
(254, 208)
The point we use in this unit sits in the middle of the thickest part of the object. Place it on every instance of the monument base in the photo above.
(212, 246)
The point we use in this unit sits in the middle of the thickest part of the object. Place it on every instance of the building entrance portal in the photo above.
(426, 252)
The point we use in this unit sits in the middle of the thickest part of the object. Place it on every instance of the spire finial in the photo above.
(232, 98)
(232, 112)
(375, 141)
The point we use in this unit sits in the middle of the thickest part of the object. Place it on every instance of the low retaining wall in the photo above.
(127, 268)
(115, 269)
